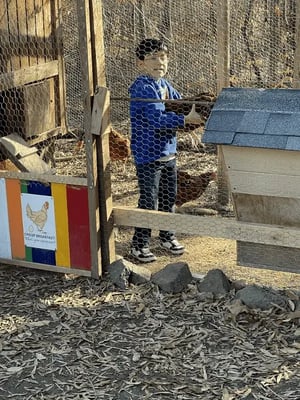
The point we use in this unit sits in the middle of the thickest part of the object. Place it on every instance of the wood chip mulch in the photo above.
(69, 337)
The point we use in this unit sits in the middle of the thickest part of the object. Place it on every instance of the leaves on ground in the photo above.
(65, 337)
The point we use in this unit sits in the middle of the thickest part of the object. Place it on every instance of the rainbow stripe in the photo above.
(71, 215)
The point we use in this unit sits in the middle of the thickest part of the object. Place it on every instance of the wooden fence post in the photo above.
(296, 75)
(102, 137)
(222, 81)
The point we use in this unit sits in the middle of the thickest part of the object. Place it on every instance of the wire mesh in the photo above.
(260, 43)
(48, 113)
(42, 94)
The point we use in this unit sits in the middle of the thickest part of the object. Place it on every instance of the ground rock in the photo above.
(122, 273)
(119, 274)
(173, 278)
(138, 273)
(215, 281)
(259, 297)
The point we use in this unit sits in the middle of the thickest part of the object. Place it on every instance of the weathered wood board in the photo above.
(39, 108)
(24, 157)
(278, 258)
(265, 187)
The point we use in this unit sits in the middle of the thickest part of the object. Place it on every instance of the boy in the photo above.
(153, 143)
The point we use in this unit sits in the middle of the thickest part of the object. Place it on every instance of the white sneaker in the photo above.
(143, 255)
(173, 246)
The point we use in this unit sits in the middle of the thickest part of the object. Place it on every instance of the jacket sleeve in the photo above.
(153, 113)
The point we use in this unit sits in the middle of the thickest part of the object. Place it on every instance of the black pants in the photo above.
(158, 187)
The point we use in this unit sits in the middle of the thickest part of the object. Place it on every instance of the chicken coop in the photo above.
(48, 74)
(258, 131)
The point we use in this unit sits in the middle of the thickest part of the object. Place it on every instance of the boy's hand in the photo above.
(193, 117)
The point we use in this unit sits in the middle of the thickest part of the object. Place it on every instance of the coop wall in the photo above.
(46, 81)
(265, 187)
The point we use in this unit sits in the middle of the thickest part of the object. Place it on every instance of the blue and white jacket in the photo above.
(153, 129)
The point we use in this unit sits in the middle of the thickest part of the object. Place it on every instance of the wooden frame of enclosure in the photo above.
(97, 183)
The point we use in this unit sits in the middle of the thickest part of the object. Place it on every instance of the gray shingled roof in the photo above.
(267, 118)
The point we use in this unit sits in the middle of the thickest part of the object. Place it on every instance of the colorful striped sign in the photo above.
(70, 223)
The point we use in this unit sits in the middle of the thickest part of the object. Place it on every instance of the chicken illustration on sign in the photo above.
(39, 218)
(39, 221)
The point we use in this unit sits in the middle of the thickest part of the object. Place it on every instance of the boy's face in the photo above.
(155, 64)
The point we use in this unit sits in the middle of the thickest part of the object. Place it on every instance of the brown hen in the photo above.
(190, 187)
(119, 146)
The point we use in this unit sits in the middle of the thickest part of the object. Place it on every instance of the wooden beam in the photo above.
(223, 45)
(90, 141)
(102, 140)
(263, 184)
(105, 194)
(223, 66)
(56, 17)
(45, 267)
(45, 136)
(97, 42)
(208, 226)
(27, 75)
(255, 159)
(296, 75)
(44, 178)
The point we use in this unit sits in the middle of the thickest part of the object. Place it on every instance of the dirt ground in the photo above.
(64, 337)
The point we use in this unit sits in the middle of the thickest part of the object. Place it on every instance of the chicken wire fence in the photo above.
(256, 49)
(42, 87)
(211, 44)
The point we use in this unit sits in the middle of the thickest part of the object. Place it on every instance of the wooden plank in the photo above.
(208, 226)
(51, 27)
(56, 17)
(38, 96)
(105, 195)
(79, 231)
(265, 184)
(28, 75)
(13, 192)
(43, 136)
(90, 144)
(267, 210)
(59, 193)
(222, 69)
(97, 43)
(45, 267)
(24, 157)
(32, 41)
(270, 161)
(23, 38)
(5, 242)
(90, 43)
(223, 48)
(222, 180)
(45, 178)
(12, 17)
(296, 70)
(102, 142)
(39, 30)
(5, 47)
(16, 146)
(97, 111)
(277, 258)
